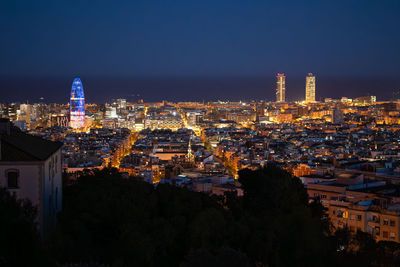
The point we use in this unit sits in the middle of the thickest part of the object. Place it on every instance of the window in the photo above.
(12, 178)
(56, 198)
(392, 235)
(50, 205)
(52, 167)
(323, 196)
(377, 230)
(56, 164)
(345, 214)
(359, 217)
(385, 222)
(340, 214)
(392, 223)
(385, 234)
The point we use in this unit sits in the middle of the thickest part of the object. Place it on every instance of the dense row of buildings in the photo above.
(345, 151)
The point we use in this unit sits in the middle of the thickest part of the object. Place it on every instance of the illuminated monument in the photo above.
(310, 88)
(77, 105)
(280, 87)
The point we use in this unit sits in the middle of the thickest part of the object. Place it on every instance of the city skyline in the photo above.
(202, 88)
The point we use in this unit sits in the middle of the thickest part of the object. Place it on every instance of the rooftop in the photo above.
(18, 146)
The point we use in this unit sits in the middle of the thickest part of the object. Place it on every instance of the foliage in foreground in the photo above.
(20, 243)
(113, 221)
(116, 221)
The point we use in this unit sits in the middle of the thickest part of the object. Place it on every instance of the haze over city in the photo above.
(198, 50)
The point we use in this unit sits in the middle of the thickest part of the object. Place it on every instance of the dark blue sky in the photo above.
(58, 40)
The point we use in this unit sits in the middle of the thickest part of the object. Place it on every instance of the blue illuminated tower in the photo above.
(77, 105)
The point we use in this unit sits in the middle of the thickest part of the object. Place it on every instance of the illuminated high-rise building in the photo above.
(121, 103)
(25, 113)
(111, 112)
(77, 105)
(310, 88)
(12, 111)
(280, 87)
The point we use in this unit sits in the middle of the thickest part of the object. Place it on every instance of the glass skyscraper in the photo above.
(77, 105)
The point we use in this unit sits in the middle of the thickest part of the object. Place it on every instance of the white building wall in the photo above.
(52, 189)
(28, 180)
(41, 183)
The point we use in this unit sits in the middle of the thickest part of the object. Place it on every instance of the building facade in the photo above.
(353, 207)
(381, 223)
(31, 168)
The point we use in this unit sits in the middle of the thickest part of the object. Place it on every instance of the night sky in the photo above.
(197, 50)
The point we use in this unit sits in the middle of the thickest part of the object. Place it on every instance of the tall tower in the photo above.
(189, 155)
(77, 105)
(310, 88)
(280, 87)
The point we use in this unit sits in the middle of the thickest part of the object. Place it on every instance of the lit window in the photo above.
(392, 235)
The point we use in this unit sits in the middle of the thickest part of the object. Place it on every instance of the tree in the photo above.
(283, 228)
(20, 243)
(112, 220)
(127, 222)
